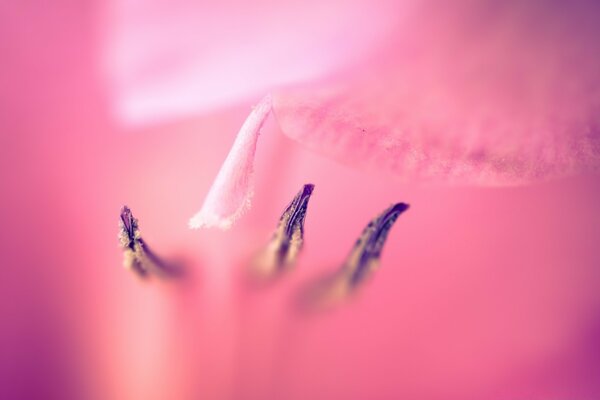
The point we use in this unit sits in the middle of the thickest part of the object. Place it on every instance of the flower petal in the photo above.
(484, 93)
(171, 58)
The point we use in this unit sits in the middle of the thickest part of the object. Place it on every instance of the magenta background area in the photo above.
(483, 293)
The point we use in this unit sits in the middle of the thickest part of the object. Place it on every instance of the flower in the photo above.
(483, 293)
(480, 93)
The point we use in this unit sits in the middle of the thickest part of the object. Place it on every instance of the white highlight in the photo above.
(231, 193)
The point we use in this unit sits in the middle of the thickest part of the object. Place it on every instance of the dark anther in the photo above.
(360, 264)
(283, 249)
(137, 255)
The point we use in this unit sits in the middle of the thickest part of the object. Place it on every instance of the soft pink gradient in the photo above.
(170, 58)
(482, 92)
(479, 92)
(483, 293)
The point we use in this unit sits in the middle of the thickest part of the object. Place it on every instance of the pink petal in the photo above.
(171, 58)
(230, 195)
(485, 93)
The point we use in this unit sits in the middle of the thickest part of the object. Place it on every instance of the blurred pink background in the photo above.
(483, 293)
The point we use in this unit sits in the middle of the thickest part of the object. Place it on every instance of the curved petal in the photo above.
(483, 92)
(171, 58)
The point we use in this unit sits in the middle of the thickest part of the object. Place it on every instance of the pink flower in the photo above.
(476, 92)
(482, 293)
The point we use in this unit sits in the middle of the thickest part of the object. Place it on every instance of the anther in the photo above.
(364, 257)
(137, 256)
(282, 251)
(363, 260)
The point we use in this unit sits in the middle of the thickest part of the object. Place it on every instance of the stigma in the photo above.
(231, 193)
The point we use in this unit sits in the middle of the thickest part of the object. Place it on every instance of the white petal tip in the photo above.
(206, 218)
(231, 192)
(202, 220)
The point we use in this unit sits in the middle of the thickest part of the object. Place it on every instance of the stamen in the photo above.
(364, 257)
(283, 249)
(360, 264)
(231, 193)
(137, 255)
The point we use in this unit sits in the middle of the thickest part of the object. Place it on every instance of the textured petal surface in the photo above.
(482, 92)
